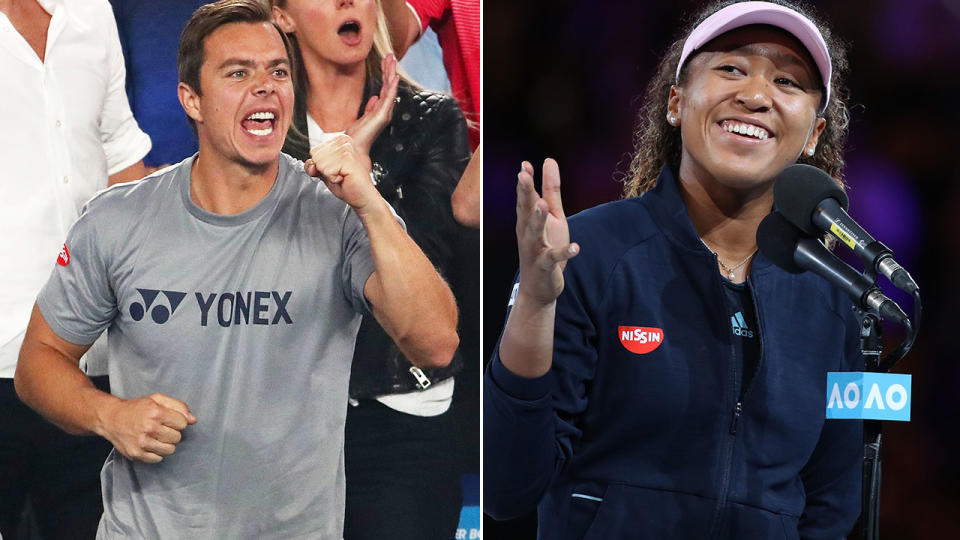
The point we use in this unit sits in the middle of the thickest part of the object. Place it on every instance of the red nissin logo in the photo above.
(640, 339)
(63, 258)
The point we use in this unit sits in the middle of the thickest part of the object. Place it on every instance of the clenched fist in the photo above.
(147, 429)
(345, 169)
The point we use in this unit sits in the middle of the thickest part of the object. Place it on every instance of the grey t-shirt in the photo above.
(250, 319)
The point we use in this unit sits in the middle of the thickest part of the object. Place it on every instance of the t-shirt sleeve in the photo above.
(124, 143)
(78, 302)
(428, 10)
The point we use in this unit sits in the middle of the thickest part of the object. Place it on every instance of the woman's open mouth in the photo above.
(349, 32)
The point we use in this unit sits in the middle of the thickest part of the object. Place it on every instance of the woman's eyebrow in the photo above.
(779, 57)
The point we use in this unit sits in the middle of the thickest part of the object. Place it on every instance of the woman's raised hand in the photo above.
(543, 238)
(379, 108)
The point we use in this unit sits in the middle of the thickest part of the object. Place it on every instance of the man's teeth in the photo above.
(265, 131)
(262, 115)
(748, 130)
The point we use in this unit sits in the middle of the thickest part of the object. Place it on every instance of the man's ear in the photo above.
(284, 21)
(190, 101)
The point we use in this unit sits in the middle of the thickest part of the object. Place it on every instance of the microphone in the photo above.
(811, 200)
(789, 248)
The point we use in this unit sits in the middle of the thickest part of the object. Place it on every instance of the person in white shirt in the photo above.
(68, 133)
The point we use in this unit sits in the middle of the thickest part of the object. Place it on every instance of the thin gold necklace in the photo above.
(729, 269)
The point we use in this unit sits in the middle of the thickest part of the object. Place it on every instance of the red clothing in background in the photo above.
(457, 24)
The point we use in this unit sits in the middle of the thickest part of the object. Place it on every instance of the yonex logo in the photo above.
(160, 313)
(244, 308)
(640, 339)
(740, 326)
(225, 309)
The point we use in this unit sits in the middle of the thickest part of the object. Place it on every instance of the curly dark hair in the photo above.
(657, 143)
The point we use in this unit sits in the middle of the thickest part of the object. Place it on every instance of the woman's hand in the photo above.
(543, 239)
(379, 109)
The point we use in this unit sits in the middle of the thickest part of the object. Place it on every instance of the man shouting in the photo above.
(231, 285)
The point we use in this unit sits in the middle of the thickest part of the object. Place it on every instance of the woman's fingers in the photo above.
(538, 224)
(563, 253)
(551, 186)
(541, 224)
(391, 81)
(526, 197)
(371, 104)
(542, 235)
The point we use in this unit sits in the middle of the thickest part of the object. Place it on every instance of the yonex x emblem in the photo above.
(160, 313)
(640, 339)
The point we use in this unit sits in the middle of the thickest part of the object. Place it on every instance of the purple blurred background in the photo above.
(564, 79)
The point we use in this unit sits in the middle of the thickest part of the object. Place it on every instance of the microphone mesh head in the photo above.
(777, 239)
(799, 189)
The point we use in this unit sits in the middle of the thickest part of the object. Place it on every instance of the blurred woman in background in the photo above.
(403, 479)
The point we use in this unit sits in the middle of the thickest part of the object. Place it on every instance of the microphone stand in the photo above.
(871, 345)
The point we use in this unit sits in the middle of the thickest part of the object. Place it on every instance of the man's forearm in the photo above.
(410, 299)
(49, 380)
(59, 391)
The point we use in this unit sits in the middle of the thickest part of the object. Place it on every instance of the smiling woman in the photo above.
(755, 84)
(651, 380)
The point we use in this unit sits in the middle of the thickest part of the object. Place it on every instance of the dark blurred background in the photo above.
(564, 79)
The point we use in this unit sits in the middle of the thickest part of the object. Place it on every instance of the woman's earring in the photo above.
(811, 151)
(672, 120)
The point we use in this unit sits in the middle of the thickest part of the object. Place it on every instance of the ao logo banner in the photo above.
(868, 396)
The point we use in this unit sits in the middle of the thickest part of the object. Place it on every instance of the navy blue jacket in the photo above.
(614, 444)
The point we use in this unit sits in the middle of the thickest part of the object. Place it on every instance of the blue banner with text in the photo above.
(868, 396)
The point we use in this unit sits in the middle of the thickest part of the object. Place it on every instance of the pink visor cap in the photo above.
(747, 13)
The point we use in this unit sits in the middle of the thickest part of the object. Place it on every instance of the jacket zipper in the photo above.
(736, 417)
(724, 487)
(756, 370)
(716, 527)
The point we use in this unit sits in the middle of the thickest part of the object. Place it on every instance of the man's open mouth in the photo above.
(259, 123)
(751, 131)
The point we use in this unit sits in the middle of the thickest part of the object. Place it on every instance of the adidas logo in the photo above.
(740, 326)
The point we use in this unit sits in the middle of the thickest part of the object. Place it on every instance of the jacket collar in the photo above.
(670, 213)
